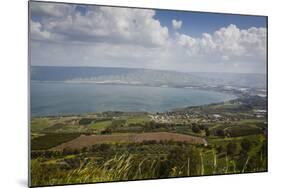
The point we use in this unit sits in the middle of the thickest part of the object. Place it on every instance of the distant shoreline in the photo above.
(125, 112)
(235, 92)
(139, 68)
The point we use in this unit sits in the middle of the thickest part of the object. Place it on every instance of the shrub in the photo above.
(220, 132)
(231, 148)
(246, 145)
(85, 121)
(196, 129)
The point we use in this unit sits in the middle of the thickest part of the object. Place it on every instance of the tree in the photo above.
(207, 131)
(84, 149)
(185, 161)
(85, 121)
(231, 148)
(107, 131)
(220, 149)
(220, 132)
(246, 145)
(202, 127)
(195, 129)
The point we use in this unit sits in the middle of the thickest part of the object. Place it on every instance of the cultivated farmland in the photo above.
(87, 141)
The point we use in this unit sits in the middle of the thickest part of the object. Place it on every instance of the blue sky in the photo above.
(196, 23)
(79, 35)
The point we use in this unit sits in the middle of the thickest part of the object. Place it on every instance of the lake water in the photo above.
(76, 98)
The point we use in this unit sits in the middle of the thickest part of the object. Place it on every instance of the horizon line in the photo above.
(145, 69)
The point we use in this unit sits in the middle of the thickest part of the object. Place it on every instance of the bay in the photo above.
(59, 98)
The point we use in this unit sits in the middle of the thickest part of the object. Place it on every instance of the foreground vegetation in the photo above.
(232, 135)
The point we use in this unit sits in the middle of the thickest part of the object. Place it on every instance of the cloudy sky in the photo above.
(79, 35)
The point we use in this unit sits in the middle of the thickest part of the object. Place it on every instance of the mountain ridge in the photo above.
(139, 76)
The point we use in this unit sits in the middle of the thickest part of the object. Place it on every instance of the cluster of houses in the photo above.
(260, 113)
(171, 117)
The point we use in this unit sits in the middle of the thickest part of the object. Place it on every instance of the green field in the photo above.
(138, 119)
(114, 146)
(100, 125)
(50, 140)
(39, 124)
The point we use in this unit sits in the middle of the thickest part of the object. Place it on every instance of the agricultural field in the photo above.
(50, 140)
(223, 138)
(87, 141)
(101, 125)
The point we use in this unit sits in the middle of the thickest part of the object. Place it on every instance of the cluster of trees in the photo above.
(104, 148)
(85, 121)
(107, 130)
(232, 148)
(200, 128)
(54, 154)
(238, 131)
(150, 126)
(245, 155)
(151, 159)
(118, 122)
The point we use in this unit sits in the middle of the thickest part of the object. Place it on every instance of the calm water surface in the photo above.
(77, 98)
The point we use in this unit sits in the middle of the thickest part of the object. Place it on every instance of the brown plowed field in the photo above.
(87, 141)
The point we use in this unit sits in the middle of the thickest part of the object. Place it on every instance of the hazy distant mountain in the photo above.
(145, 77)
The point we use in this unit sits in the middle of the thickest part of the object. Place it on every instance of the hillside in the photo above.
(149, 77)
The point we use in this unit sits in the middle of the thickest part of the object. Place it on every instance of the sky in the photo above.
(80, 35)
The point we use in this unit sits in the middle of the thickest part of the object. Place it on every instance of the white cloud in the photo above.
(108, 36)
(50, 10)
(104, 24)
(36, 31)
(176, 24)
(227, 43)
(185, 40)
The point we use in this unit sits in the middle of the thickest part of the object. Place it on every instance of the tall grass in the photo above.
(189, 161)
